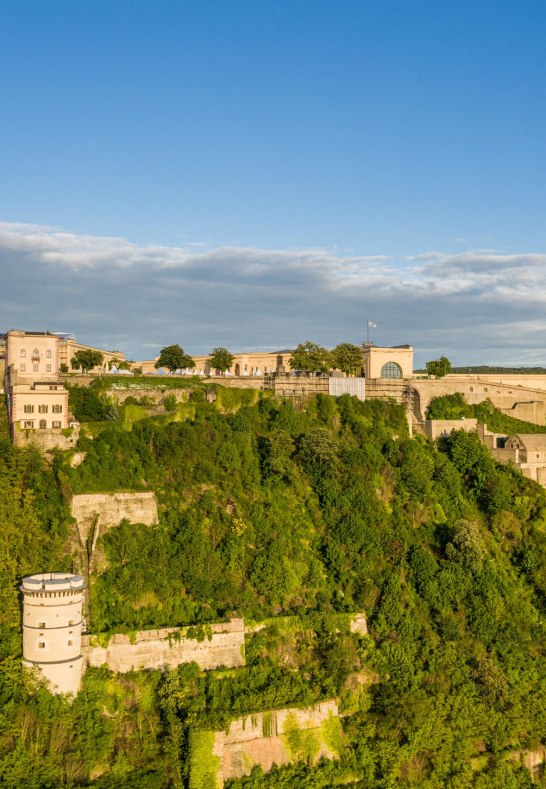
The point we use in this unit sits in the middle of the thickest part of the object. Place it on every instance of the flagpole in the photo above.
(367, 332)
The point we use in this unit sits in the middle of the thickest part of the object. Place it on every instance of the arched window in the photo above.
(36, 353)
(43, 424)
(23, 353)
(391, 370)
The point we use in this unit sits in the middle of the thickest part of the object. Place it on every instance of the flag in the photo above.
(372, 325)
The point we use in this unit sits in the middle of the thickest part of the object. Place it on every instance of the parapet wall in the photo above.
(264, 739)
(108, 509)
(223, 645)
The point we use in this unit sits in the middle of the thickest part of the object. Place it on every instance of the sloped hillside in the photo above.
(267, 513)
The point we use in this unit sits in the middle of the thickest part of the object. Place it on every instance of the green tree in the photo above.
(311, 357)
(347, 358)
(85, 360)
(220, 359)
(439, 367)
(173, 358)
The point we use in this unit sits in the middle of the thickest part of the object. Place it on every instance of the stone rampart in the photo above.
(46, 440)
(155, 395)
(521, 402)
(435, 428)
(264, 739)
(105, 510)
(223, 645)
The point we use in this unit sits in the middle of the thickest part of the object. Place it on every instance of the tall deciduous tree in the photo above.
(220, 359)
(439, 367)
(311, 357)
(347, 358)
(174, 358)
(86, 360)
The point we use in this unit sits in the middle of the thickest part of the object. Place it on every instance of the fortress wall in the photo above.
(46, 440)
(518, 401)
(108, 509)
(434, 428)
(169, 647)
(261, 739)
(155, 395)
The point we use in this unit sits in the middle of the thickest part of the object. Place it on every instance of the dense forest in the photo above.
(295, 518)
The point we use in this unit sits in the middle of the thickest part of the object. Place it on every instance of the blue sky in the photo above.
(219, 139)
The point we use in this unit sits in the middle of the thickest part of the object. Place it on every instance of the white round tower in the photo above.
(52, 628)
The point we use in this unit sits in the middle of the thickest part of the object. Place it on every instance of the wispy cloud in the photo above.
(480, 305)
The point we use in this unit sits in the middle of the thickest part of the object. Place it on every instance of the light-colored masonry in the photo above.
(210, 646)
(264, 739)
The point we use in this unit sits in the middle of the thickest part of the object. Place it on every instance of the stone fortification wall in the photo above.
(434, 428)
(104, 510)
(46, 440)
(154, 395)
(517, 401)
(237, 382)
(261, 739)
(223, 645)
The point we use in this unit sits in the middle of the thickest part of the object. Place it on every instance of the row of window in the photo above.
(35, 354)
(42, 425)
(42, 409)
(41, 644)
(35, 368)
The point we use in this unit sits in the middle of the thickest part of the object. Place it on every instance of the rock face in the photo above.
(265, 739)
(105, 510)
(221, 644)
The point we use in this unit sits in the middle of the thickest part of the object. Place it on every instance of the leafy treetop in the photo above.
(220, 359)
(86, 360)
(439, 367)
(173, 358)
(311, 357)
(347, 358)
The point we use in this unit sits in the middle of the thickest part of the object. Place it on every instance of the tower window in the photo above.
(41, 644)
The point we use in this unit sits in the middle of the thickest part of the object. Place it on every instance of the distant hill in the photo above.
(486, 369)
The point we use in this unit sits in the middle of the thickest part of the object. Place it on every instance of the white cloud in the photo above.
(113, 292)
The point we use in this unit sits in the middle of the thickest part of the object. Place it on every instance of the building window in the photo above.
(48, 355)
(35, 368)
(23, 368)
(36, 353)
(29, 409)
(41, 624)
(41, 644)
(48, 368)
(42, 409)
(43, 424)
(29, 424)
(70, 643)
(391, 370)
(23, 353)
(56, 425)
(54, 388)
(57, 409)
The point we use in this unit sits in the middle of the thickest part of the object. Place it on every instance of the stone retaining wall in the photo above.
(262, 739)
(223, 645)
